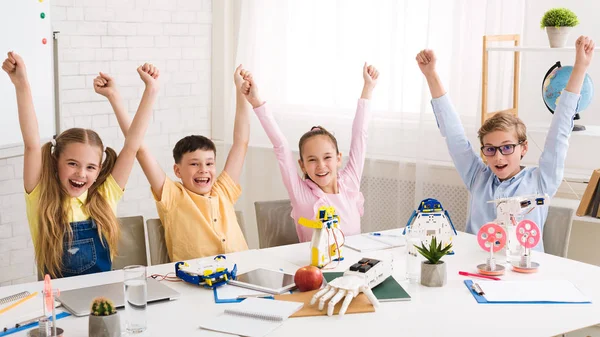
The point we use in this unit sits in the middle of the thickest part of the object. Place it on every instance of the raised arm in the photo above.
(466, 160)
(552, 161)
(241, 128)
(105, 85)
(32, 166)
(287, 165)
(360, 126)
(135, 135)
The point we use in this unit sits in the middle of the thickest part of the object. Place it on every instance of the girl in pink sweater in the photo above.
(320, 160)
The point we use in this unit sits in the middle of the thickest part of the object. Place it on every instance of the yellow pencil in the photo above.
(18, 302)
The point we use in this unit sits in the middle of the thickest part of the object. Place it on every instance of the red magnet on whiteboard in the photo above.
(44, 40)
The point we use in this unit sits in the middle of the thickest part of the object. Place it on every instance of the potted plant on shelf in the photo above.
(104, 319)
(558, 23)
(433, 271)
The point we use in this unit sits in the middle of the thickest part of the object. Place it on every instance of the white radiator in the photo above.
(389, 202)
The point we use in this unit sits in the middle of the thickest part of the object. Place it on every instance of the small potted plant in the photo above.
(104, 319)
(433, 271)
(558, 23)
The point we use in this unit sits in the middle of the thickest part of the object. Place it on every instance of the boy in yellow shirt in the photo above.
(197, 213)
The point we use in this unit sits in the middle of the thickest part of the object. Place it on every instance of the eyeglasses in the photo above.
(506, 149)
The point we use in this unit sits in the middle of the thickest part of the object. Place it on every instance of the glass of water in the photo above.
(135, 298)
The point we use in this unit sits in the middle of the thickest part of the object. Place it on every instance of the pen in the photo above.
(257, 296)
(464, 273)
(29, 321)
(379, 234)
(476, 288)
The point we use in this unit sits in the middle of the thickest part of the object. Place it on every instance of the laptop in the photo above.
(78, 301)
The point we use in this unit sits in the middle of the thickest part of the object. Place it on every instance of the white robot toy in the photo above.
(430, 220)
(360, 277)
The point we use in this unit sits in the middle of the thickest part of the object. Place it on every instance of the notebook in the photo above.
(29, 309)
(368, 242)
(254, 317)
(387, 291)
(522, 292)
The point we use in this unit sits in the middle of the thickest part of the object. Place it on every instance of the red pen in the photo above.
(464, 273)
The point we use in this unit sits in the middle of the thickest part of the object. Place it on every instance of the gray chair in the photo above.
(240, 219)
(132, 243)
(156, 242)
(158, 245)
(557, 230)
(275, 225)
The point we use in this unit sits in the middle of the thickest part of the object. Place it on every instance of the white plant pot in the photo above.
(104, 326)
(558, 36)
(433, 275)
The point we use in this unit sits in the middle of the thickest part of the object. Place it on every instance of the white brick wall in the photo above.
(115, 36)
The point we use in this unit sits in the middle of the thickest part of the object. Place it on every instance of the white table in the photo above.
(447, 311)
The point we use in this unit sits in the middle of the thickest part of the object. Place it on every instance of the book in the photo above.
(523, 292)
(584, 206)
(375, 241)
(595, 204)
(387, 291)
(255, 317)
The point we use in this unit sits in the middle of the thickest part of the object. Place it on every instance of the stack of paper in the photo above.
(545, 291)
(370, 242)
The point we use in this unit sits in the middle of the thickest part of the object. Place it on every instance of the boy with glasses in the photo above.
(504, 143)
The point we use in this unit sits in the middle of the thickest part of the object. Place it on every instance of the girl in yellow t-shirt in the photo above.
(71, 192)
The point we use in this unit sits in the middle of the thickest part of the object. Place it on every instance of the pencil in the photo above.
(18, 302)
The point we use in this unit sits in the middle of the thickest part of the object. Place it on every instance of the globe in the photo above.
(555, 82)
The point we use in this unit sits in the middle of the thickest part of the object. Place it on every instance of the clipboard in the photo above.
(236, 299)
(482, 300)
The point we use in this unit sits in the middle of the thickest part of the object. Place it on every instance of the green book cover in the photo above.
(386, 291)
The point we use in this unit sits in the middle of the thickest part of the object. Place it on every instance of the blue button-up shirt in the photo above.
(485, 186)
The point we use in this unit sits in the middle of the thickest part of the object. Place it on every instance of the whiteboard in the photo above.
(23, 30)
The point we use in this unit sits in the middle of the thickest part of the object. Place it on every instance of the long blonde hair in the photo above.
(54, 204)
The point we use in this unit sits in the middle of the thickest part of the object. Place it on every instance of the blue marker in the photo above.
(379, 234)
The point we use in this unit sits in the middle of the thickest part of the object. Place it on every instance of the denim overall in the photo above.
(86, 254)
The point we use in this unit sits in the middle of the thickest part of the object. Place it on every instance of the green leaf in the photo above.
(559, 17)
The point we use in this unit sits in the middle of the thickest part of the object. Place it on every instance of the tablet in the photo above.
(266, 280)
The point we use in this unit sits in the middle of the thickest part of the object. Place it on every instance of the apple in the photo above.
(308, 278)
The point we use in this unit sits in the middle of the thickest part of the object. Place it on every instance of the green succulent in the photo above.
(435, 252)
(102, 306)
(559, 17)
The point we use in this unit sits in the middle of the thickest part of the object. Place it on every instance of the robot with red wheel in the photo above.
(518, 238)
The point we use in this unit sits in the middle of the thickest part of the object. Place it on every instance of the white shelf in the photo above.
(538, 49)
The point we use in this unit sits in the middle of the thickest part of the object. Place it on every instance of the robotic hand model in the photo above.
(327, 237)
(509, 212)
(430, 220)
(209, 276)
(361, 277)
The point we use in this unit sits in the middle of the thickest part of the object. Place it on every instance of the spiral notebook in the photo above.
(254, 317)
